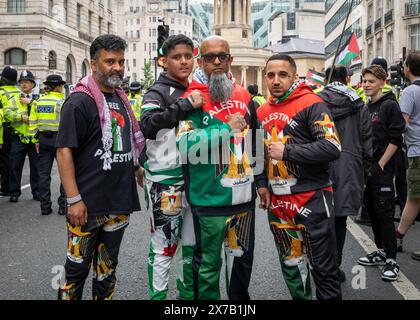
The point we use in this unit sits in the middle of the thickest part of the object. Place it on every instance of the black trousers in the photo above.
(4, 159)
(380, 204)
(18, 153)
(46, 158)
(340, 233)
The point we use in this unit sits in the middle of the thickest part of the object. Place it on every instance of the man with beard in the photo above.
(99, 144)
(163, 107)
(301, 143)
(216, 144)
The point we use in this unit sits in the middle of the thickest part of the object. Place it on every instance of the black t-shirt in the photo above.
(104, 192)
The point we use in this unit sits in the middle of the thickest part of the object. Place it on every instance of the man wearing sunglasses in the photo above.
(220, 185)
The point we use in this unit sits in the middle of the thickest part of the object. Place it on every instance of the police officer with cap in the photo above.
(136, 98)
(44, 123)
(8, 88)
(17, 112)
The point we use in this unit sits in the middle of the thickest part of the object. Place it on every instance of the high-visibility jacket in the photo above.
(136, 102)
(14, 112)
(46, 115)
(1, 125)
(259, 99)
(6, 92)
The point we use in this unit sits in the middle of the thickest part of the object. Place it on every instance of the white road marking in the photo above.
(404, 286)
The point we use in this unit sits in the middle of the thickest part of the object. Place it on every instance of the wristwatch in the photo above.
(74, 200)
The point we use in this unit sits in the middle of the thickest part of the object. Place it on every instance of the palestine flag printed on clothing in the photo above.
(350, 52)
(219, 171)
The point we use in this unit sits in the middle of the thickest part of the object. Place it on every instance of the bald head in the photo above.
(214, 41)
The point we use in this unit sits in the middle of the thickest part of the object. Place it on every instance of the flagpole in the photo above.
(339, 42)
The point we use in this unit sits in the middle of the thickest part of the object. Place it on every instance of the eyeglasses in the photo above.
(210, 58)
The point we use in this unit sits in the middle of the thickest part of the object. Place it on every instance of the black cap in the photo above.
(27, 75)
(135, 86)
(54, 80)
(380, 62)
(10, 74)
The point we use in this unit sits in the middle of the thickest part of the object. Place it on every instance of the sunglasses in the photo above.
(210, 58)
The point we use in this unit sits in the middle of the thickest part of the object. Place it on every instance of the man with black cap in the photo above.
(17, 111)
(136, 98)
(44, 122)
(8, 88)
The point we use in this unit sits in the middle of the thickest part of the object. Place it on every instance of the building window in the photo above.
(15, 56)
(14, 6)
(134, 76)
(50, 7)
(134, 63)
(69, 71)
(390, 46)
(78, 14)
(134, 47)
(90, 21)
(154, 33)
(52, 60)
(145, 47)
(415, 37)
(379, 48)
(100, 25)
(154, 19)
(84, 69)
(109, 28)
(66, 11)
(172, 20)
(138, 34)
(291, 21)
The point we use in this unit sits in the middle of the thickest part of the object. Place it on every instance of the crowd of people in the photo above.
(204, 149)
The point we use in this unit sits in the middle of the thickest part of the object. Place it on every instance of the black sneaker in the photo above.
(62, 211)
(373, 259)
(46, 212)
(36, 197)
(390, 271)
(14, 199)
(416, 255)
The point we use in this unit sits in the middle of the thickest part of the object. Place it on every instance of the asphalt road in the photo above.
(33, 249)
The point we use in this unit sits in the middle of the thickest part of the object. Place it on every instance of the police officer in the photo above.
(17, 112)
(125, 85)
(44, 123)
(8, 80)
(136, 99)
(257, 97)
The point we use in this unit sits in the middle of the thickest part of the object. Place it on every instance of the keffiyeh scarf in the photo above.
(89, 86)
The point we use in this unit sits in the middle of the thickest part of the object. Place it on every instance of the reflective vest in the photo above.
(259, 99)
(46, 115)
(1, 125)
(13, 113)
(6, 92)
(136, 102)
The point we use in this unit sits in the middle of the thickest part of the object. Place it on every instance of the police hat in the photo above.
(10, 74)
(54, 80)
(135, 86)
(27, 75)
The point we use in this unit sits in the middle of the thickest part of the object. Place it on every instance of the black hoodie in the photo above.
(387, 126)
(352, 122)
(162, 107)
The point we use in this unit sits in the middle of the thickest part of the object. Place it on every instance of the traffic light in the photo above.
(163, 34)
(397, 74)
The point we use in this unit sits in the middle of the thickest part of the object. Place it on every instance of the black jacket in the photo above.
(387, 126)
(352, 122)
(162, 107)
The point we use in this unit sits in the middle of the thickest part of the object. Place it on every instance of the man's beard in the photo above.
(112, 81)
(220, 87)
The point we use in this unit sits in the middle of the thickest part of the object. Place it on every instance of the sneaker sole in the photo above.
(367, 264)
(388, 279)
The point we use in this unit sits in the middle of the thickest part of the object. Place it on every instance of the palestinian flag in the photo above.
(315, 79)
(350, 52)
